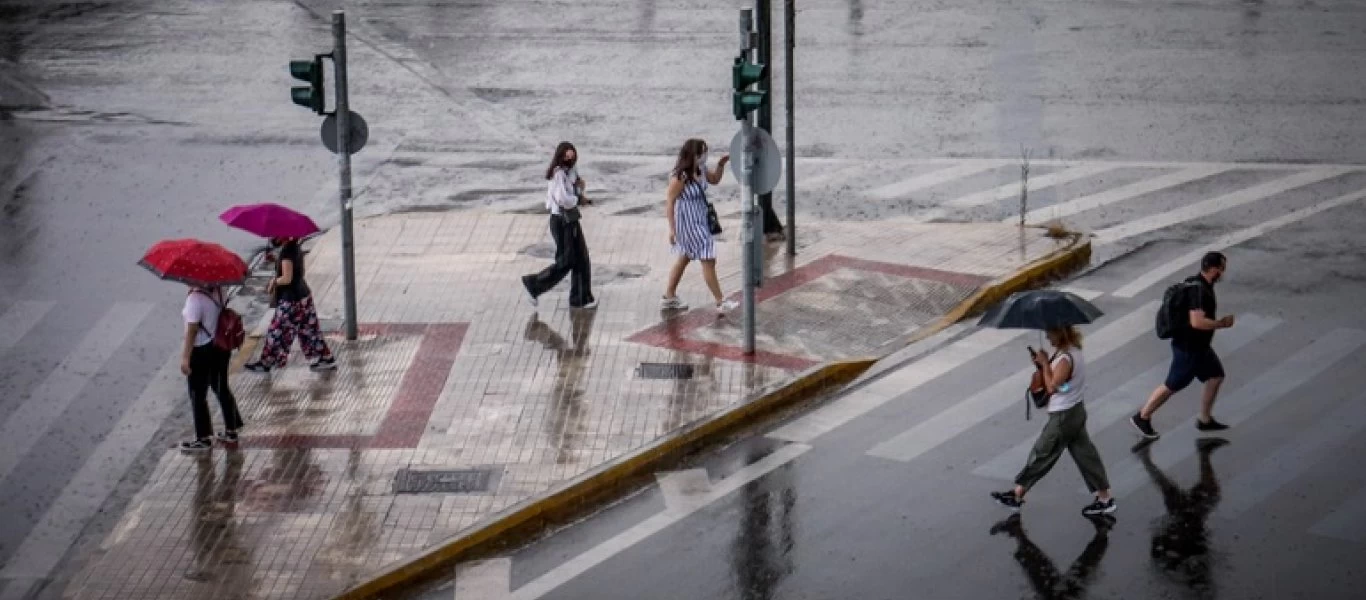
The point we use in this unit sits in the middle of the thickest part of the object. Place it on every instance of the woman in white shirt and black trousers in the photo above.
(205, 367)
(563, 196)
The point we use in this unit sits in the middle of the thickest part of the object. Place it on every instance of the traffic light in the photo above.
(743, 75)
(312, 95)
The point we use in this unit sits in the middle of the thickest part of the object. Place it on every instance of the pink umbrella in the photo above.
(269, 220)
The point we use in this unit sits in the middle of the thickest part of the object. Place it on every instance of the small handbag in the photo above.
(571, 215)
(713, 221)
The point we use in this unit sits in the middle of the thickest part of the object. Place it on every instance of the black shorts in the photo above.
(1189, 365)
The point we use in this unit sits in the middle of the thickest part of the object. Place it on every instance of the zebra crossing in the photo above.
(1299, 366)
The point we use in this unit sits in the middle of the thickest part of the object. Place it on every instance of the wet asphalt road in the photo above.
(894, 503)
(125, 122)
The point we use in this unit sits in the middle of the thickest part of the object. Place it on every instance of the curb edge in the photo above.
(580, 492)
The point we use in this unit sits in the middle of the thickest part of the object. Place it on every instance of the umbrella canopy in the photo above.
(1041, 309)
(194, 262)
(269, 220)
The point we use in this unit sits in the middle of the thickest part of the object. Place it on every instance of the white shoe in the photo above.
(589, 306)
(726, 306)
(672, 304)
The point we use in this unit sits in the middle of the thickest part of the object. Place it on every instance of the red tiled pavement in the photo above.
(454, 371)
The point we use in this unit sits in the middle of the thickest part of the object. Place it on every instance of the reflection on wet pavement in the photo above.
(761, 555)
(1044, 577)
(1180, 542)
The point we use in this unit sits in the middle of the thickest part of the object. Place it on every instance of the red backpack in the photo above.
(228, 334)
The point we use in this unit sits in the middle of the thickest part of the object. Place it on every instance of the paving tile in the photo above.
(453, 370)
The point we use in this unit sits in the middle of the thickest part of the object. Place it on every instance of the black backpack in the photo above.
(1172, 316)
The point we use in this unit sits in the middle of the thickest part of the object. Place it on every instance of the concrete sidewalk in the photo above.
(337, 474)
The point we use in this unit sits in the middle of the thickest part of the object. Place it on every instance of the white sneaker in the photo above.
(726, 306)
(590, 305)
(672, 304)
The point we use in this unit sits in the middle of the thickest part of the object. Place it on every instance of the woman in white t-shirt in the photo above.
(1064, 378)
(205, 367)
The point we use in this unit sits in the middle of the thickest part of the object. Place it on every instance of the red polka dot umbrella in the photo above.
(194, 262)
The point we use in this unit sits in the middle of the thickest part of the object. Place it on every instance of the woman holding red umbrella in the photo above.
(295, 314)
(206, 350)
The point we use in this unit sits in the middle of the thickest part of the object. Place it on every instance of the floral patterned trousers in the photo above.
(298, 317)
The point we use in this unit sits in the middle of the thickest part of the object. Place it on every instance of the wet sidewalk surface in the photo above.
(459, 399)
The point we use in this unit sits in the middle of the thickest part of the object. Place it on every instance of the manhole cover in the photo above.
(664, 371)
(408, 481)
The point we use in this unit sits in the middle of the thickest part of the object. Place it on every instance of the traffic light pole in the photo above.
(790, 42)
(344, 164)
(749, 230)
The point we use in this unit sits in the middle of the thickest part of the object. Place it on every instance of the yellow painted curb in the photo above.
(582, 492)
(1056, 264)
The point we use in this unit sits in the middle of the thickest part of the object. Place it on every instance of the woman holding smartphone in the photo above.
(564, 193)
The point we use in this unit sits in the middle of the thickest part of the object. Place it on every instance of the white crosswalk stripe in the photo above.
(19, 319)
(1203, 208)
(969, 412)
(31, 421)
(1348, 521)
(1117, 404)
(1252, 397)
(1249, 489)
(1012, 190)
(937, 177)
(1111, 196)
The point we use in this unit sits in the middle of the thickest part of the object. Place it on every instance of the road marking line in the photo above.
(962, 416)
(859, 402)
(901, 382)
(1347, 522)
(900, 189)
(1012, 190)
(19, 319)
(1119, 194)
(1213, 205)
(51, 398)
(1245, 492)
(484, 579)
(1151, 278)
(1119, 403)
(580, 564)
(1246, 402)
(683, 489)
(88, 489)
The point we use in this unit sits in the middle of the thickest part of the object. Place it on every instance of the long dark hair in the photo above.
(686, 167)
(560, 160)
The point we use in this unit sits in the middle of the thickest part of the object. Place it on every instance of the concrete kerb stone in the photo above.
(572, 498)
(522, 521)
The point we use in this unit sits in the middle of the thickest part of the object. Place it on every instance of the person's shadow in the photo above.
(1043, 575)
(1180, 543)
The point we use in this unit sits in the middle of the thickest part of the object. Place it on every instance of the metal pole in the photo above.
(764, 55)
(344, 164)
(748, 228)
(790, 37)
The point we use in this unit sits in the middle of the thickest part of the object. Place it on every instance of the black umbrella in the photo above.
(1040, 309)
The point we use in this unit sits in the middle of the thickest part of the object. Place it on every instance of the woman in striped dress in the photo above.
(689, 232)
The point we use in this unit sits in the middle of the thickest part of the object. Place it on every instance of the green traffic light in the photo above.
(312, 96)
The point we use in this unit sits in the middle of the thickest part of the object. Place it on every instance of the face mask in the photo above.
(702, 161)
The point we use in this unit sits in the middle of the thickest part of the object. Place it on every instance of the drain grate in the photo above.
(465, 481)
(648, 370)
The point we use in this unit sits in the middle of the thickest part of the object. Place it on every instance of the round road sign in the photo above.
(360, 133)
(768, 160)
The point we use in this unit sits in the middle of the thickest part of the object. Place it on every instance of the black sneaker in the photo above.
(195, 446)
(256, 367)
(324, 364)
(1008, 500)
(227, 437)
(1210, 425)
(1099, 507)
(1144, 426)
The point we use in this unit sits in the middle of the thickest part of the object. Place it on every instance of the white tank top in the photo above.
(1070, 393)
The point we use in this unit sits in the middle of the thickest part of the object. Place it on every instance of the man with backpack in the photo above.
(1187, 318)
(212, 332)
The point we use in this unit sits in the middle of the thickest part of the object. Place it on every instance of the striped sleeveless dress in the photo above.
(693, 237)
